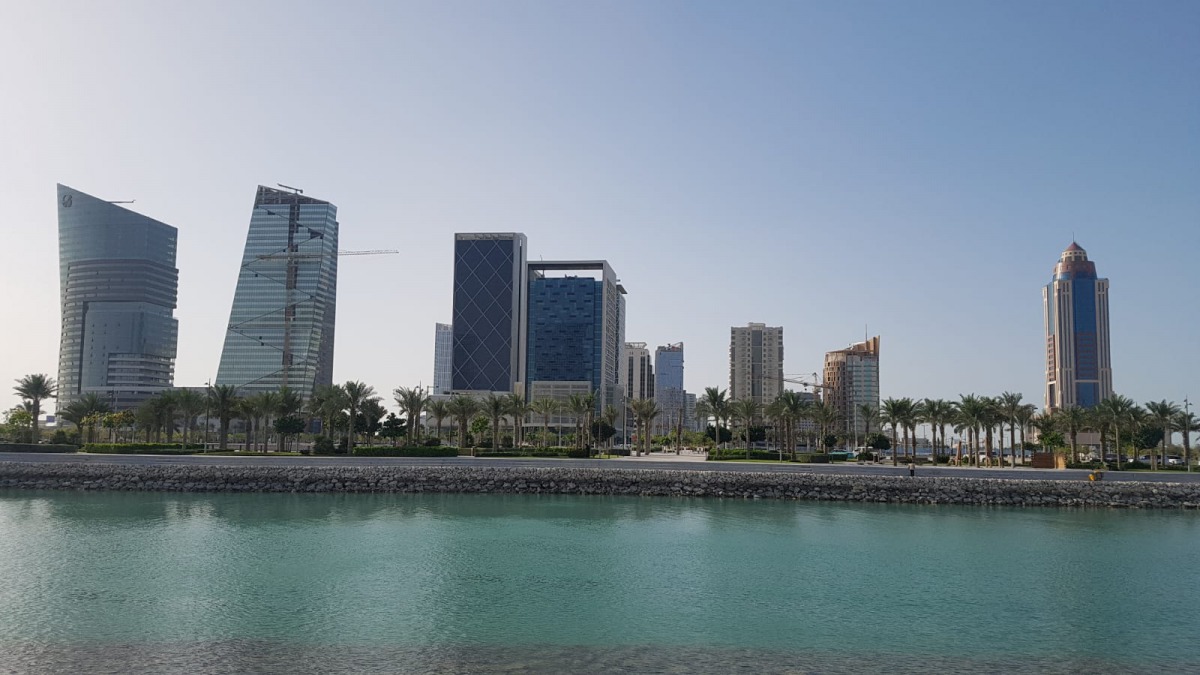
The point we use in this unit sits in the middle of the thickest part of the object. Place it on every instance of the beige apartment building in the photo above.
(756, 362)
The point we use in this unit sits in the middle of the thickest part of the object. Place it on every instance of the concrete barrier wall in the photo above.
(580, 481)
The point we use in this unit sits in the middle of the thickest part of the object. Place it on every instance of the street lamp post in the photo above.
(1188, 433)
(208, 399)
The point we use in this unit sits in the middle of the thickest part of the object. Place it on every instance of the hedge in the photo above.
(417, 451)
(34, 447)
(142, 448)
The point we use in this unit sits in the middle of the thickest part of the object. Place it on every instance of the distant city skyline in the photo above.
(911, 168)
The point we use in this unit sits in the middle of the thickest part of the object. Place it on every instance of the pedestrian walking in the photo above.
(912, 469)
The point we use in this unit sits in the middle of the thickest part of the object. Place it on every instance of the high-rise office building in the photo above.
(576, 331)
(756, 362)
(489, 312)
(637, 371)
(443, 351)
(1075, 312)
(118, 285)
(668, 387)
(281, 325)
(852, 381)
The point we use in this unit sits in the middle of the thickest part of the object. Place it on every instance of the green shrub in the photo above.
(323, 445)
(813, 458)
(412, 451)
(34, 447)
(142, 448)
(578, 454)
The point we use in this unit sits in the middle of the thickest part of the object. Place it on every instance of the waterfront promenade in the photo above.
(667, 462)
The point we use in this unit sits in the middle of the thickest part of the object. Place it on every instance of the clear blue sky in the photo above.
(912, 166)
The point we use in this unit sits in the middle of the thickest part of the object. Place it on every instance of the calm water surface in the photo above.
(121, 582)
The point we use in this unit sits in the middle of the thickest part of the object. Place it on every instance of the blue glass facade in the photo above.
(566, 317)
(281, 324)
(119, 287)
(489, 301)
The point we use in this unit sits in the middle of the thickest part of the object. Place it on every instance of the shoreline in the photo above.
(648, 482)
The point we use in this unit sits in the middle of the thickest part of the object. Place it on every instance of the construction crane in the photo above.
(294, 255)
(795, 379)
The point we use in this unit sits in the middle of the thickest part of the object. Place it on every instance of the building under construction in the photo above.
(281, 325)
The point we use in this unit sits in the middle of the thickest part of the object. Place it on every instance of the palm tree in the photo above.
(167, 408)
(190, 404)
(991, 418)
(644, 412)
(1185, 423)
(1072, 419)
(1162, 413)
(288, 404)
(826, 417)
(326, 403)
(746, 411)
(609, 416)
(578, 405)
(1010, 404)
(223, 402)
(869, 414)
(892, 413)
(1024, 417)
(718, 406)
(440, 410)
(412, 401)
(495, 407)
(590, 398)
(89, 406)
(972, 411)
(518, 409)
(35, 389)
(1118, 412)
(356, 394)
(462, 409)
(545, 407)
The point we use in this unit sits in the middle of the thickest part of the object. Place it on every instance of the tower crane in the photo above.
(295, 255)
(796, 379)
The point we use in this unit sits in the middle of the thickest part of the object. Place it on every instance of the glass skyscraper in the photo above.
(668, 386)
(443, 350)
(489, 312)
(118, 285)
(576, 331)
(281, 324)
(1075, 313)
(851, 378)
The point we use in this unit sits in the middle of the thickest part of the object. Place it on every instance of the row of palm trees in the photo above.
(350, 407)
(787, 413)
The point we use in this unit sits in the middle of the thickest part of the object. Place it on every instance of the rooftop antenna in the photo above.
(289, 187)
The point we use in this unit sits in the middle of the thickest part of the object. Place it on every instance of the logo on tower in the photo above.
(67, 200)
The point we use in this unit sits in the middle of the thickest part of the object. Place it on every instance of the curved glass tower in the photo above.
(1075, 305)
(280, 330)
(118, 286)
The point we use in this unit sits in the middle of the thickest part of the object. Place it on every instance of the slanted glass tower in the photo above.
(281, 325)
(118, 287)
(1075, 308)
(489, 312)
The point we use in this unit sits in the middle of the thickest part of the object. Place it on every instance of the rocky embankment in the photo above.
(581, 481)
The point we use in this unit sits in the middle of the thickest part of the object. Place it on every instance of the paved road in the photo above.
(667, 462)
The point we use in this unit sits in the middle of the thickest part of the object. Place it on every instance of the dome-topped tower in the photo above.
(1075, 303)
(1074, 264)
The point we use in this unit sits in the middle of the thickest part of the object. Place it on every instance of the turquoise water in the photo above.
(114, 582)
